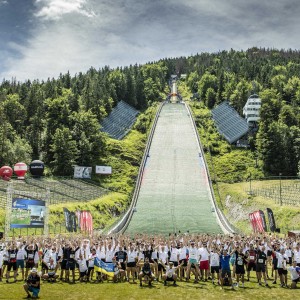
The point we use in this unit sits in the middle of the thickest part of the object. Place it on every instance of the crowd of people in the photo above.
(225, 260)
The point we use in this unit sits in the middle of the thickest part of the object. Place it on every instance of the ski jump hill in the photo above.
(173, 192)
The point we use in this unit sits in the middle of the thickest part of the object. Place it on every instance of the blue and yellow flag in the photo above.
(105, 268)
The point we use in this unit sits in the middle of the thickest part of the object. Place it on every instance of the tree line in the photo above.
(58, 120)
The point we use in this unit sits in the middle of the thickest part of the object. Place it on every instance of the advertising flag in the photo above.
(258, 221)
(68, 220)
(271, 218)
(263, 220)
(86, 221)
(73, 221)
(253, 222)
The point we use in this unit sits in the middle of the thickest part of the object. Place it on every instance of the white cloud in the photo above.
(55, 9)
(124, 32)
(3, 2)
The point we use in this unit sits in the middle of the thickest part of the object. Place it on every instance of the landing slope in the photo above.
(174, 193)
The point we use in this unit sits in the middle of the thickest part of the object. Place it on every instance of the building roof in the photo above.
(229, 123)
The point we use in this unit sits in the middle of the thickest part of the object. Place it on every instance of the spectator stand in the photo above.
(120, 120)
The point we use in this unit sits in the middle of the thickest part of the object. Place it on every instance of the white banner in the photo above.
(103, 170)
(82, 172)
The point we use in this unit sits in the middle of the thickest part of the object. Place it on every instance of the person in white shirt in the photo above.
(296, 253)
(289, 254)
(82, 265)
(295, 274)
(91, 260)
(204, 261)
(162, 260)
(170, 274)
(214, 257)
(194, 257)
(281, 267)
(21, 255)
(51, 275)
(182, 260)
(132, 256)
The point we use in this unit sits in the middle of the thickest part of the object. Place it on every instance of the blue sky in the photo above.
(42, 38)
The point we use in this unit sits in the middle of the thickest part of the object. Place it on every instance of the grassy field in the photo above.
(184, 290)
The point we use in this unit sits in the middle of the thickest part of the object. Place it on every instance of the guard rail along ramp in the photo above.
(173, 191)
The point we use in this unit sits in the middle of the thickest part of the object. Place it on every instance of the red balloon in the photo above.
(6, 172)
(20, 170)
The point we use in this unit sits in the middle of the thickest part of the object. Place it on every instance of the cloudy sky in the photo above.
(42, 38)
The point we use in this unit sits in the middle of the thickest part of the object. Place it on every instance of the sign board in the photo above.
(82, 172)
(27, 213)
(103, 170)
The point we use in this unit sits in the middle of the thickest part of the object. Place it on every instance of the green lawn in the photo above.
(203, 290)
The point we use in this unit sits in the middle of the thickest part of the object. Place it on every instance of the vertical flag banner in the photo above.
(271, 220)
(258, 221)
(73, 221)
(68, 221)
(253, 222)
(78, 214)
(86, 221)
(263, 220)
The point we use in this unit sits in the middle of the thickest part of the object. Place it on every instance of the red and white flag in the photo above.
(86, 222)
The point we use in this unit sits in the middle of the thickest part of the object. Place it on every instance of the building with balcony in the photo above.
(251, 110)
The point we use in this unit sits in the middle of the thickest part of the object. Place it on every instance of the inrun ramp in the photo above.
(174, 193)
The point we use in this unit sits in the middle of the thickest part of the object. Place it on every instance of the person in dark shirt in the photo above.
(69, 255)
(121, 258)
(146, 272)
(261, 259)
(225, 268)
(12, 261)
(32, 284)
(31, 251)
(240, 263)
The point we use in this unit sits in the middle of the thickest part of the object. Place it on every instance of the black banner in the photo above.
(271, 220)
(68, 219)
(73, 221)
(263, 219)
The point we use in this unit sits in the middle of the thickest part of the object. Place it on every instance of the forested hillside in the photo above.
(58, 120)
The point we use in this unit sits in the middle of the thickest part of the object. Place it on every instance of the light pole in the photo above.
(250, 184)
(280, 200)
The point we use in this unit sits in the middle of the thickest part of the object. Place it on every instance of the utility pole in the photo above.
(280, 199)
(250, 185)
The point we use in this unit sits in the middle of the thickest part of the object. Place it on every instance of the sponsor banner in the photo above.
(253, 222)
(82, 172)
(27, 213)
(263, 220)
(258, 221)
(73, 218)
(86, 222)
(78, 214)
(70, 220)
(271, 218)
(107, 170)
(67, 214)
